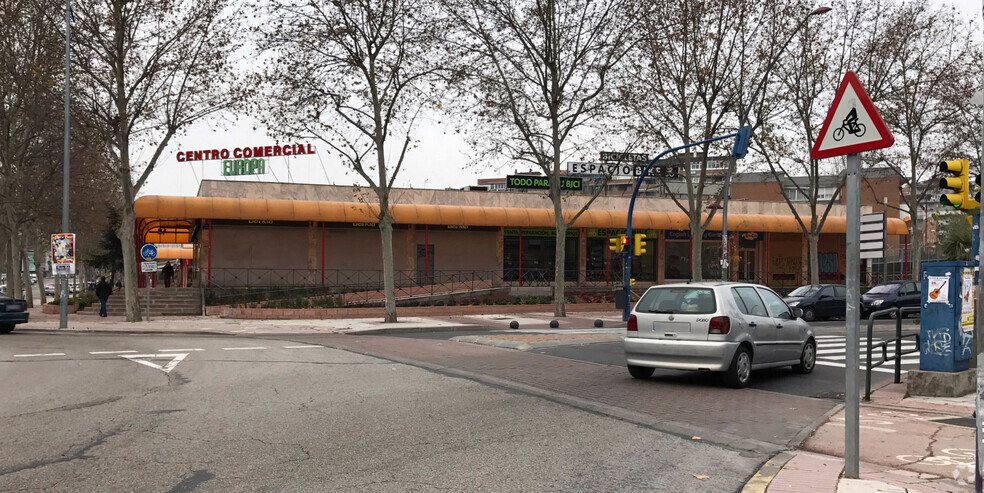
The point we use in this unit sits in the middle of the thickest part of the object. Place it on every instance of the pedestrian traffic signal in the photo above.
(639, 247)
(956, 187)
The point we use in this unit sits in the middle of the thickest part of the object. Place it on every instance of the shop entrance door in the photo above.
(425, 264)
(746, 264)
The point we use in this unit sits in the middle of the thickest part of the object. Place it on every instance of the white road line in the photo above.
(842, 365)
(299, 347)
(242, 348)
(36, 355)
(110, 352)
(178, 350)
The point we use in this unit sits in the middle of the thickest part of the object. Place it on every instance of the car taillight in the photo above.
(633, 324)
(719, 325)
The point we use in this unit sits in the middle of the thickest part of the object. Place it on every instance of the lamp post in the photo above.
(63, 305)
(742, 121)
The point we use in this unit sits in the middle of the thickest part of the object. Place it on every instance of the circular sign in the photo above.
(148, 252)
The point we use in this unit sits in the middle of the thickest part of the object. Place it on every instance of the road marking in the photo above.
(875, 428)
(242, 348)
(299, 347)
(174, 357)
(36, 355)
(860, 367)
(177, 350)
(111, 352)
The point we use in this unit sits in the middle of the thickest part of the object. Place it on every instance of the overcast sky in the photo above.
(440, 160)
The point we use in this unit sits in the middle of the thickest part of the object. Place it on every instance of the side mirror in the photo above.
(797, 313)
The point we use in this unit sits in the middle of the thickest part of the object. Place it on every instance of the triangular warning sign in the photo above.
(142, 359)
(852, 124)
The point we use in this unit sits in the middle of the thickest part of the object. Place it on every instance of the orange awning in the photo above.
(178, 211)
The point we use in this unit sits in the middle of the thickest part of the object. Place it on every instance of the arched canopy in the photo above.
(163, 219)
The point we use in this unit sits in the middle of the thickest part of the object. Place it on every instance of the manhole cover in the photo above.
(967, 422)
(830, 395)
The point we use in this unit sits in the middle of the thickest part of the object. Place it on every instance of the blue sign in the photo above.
(148, 252)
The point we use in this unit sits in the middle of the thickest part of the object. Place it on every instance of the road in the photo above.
(98, 412)
(826, 382)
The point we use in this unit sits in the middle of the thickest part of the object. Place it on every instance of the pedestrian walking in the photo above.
(168, 272)
(103, 290)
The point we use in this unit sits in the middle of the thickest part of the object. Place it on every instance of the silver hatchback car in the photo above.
(725, 327)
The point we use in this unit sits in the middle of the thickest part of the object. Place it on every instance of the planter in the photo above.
(56, 309)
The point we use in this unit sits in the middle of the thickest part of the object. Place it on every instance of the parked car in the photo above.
(819, 301)
(732, 328)
(889, 295)
(12, 312)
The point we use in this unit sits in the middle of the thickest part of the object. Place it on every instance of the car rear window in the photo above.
(883, 289)
(684, 300)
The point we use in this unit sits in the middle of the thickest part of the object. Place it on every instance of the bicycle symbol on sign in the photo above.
(850, 125)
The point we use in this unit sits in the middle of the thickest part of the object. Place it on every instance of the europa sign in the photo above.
(249, 160)
(540, 182)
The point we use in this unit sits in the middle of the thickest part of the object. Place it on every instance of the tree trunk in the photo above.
(560, 309)
(389, 283)
(696, 242)
(26, 275)
(130, 271)
(13, 275)
(39, 260)
(814, 239)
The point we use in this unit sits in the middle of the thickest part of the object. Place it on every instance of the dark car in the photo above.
(12, 312)
(890, 295)
(819, 301)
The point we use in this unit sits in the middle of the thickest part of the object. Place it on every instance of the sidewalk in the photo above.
(912, 444)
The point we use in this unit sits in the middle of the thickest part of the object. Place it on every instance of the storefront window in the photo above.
(599, 256)
(677, 260)
(711, 259)
(538, 251)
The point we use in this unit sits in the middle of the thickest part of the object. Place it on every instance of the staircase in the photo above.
(163, 302)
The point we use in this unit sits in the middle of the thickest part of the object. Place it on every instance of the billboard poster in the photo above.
(967, 301)
(63, 253)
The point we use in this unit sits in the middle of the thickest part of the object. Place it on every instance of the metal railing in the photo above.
(899, 314)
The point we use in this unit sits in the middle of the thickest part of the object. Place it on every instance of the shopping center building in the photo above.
(275, 234)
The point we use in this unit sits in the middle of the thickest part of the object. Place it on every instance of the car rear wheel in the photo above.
(640, 372)
(808, 358)
(740, 372)
(5, 329)
(809, 314)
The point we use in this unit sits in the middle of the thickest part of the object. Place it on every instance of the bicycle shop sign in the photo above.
(247, 160)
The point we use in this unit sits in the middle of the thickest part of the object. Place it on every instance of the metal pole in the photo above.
(63, 308)
(148, 296)
(724, 222)
(851, 398)
(979, 429)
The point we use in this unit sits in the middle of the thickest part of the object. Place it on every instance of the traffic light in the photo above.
(639, 247)
(618, 245)
(958, 184)
(977, 194)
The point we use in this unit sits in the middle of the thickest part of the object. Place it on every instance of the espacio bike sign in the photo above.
(247, 160)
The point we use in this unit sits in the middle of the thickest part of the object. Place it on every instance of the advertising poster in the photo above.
(967, 301)
(63, 253)
(939, 292)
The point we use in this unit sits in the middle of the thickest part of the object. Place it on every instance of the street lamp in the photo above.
(742, 121)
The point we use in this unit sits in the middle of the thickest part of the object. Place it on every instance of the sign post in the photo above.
(852, 126)
(62, 264)
(149, 253)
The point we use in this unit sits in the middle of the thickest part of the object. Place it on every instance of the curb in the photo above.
(814, 426)
(760, 481)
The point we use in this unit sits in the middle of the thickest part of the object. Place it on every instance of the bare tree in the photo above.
(922, 82)
(30, 127)
(146, 70)
(367, 70)
(686, 89)
(541, 72)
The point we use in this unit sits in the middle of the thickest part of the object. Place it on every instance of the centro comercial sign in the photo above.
(250, 160)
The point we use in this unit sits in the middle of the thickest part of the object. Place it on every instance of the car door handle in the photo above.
(778, 326)
(752, 324)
